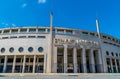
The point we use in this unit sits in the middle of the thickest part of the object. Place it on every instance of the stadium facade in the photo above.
(57, 50)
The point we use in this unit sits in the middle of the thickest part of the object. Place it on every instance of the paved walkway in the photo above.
(61, 76)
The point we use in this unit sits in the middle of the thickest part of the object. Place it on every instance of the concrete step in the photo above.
(60, 76)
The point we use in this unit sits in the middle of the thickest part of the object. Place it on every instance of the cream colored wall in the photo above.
(104, 47)
(25, 43)
(45, 43)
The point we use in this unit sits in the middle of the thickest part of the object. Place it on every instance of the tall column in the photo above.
(55, 60)
(111, 64)
(50, 49)
(34, 61)
(14, 62)
(24, 60)
(65, 58)
(75, 60)
(99, 64)
(5, 64)
(83, 66)
(91, 60)
(116, 65)
(64, 31)
(49, 56)
(105, 65)
(45, 62)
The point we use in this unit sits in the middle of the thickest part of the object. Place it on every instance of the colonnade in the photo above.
(82, 59)
(22, 64)
(113, 65)
(79, 59)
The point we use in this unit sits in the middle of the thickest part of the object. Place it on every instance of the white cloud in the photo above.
(2, 23)
(6, 24)
(13, 25)
(41, 1)
(23, 5)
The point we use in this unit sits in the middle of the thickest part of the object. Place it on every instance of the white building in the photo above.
(62, 50)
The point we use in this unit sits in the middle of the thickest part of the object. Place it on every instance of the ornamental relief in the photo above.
(76, 43)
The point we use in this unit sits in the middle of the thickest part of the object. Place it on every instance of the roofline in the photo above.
(55, 28)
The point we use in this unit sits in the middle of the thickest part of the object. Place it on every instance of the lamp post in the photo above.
(100, 42)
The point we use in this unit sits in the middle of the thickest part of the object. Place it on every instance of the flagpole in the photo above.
(50, 49)
(51, 18)
(98, 29)
(100, 42)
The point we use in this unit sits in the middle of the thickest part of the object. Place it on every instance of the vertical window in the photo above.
(112, 54)
(107, 53)
(117, 54)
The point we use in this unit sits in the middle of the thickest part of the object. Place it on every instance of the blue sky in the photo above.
(80, 14)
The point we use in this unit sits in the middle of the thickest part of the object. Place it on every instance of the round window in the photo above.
(2, 50)
(30, 49)
(20, 49)
(40, 49)
(11, 49)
